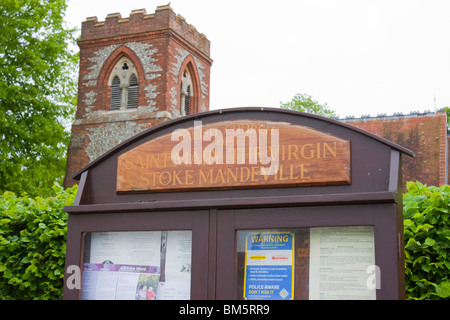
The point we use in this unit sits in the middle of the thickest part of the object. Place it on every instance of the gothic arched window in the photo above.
(186, 93)
(124, 85)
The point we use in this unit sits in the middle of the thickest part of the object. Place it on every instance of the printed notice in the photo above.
(137, 248)
(147, 265)
(177, 267)
(339, 258)
(269, 266)
(178, 256)
(119, 282)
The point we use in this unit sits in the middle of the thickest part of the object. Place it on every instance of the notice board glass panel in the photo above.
(306, 263)
(137, 265)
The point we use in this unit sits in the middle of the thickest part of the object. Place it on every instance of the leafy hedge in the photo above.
(33, 245)
(427, 241)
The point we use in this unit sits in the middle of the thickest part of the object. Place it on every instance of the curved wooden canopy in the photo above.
(256, 112)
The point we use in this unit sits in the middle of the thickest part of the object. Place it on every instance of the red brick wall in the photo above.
(425, 135)
(160, 46)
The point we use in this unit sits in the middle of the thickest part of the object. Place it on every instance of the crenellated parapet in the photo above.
(140, 23)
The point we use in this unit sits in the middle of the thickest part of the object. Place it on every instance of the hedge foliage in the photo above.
(427, 241)
(33, 245)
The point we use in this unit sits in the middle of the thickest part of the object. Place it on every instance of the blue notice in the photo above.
(269, 266)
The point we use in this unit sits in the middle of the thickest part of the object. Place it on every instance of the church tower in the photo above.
(135, 73)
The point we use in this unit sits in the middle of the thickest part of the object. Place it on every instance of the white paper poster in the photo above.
(339, 260)
(177, 267)
(135, 248)
(178, 256)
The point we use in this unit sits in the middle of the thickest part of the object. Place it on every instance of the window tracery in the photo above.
(124, 84)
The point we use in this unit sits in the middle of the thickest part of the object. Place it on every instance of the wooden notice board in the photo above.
(190, 203)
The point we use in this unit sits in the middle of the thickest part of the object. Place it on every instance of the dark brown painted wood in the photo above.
(373, 198)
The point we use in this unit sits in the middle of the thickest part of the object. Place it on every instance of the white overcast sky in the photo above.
(359, 56)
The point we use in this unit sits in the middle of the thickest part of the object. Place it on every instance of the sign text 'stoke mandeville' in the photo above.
(241, 153)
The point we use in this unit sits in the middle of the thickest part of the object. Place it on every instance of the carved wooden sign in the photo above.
(235, 154)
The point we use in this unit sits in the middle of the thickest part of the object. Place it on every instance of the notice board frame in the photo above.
(195, 221)
(213, 215)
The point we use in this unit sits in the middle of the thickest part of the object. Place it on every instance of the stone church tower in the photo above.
(135, 73)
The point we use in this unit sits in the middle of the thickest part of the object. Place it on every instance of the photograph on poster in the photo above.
(322, 263)
(148, 265)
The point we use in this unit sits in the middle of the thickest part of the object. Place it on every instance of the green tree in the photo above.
(37, 94)
(305, 103)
